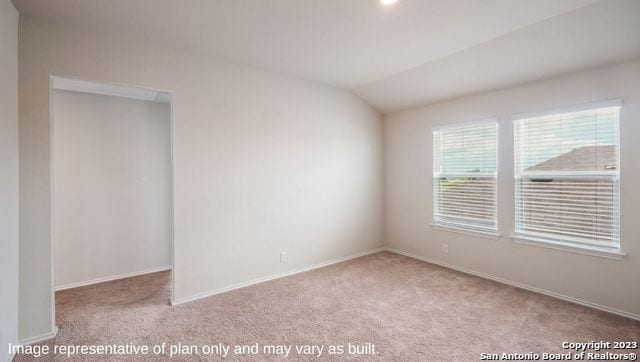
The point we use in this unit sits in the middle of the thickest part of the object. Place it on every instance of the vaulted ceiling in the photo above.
(413, 52)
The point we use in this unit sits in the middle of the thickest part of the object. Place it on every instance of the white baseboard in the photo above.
(271, 277)
(40, 338)
(36, 339)
(113, 277)
(12, 355)
(518, 285)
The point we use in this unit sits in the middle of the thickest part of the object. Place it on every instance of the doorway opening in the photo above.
(111, 192)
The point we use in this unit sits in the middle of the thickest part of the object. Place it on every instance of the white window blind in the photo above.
(464, 176)
(567, 177)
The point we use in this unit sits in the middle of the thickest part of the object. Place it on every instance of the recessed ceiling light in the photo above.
(388, 2)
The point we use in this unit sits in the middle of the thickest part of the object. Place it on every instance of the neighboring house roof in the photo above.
(581, 159)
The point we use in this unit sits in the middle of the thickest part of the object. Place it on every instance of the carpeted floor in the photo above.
(410, 310)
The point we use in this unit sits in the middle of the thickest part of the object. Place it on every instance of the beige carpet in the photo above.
(410, 310)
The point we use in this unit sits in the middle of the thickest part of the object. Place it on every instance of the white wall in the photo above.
(262, 163)
(112, 186)
(8, 176)
(408, 201)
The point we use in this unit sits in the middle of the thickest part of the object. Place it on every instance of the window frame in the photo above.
(461, 228)
(559, 243)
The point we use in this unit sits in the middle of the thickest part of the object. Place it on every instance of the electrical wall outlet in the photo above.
(283, 256)
(445, 248)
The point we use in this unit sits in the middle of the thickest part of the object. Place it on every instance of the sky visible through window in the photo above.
(467, 149)
(550, 136)
(471, 149)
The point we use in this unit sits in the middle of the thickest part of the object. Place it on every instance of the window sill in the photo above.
(557, 245)
(482, 234)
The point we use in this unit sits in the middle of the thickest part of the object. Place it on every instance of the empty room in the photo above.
(395, 180)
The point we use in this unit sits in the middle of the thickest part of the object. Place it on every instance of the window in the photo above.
(567, 177)
(464, 177)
